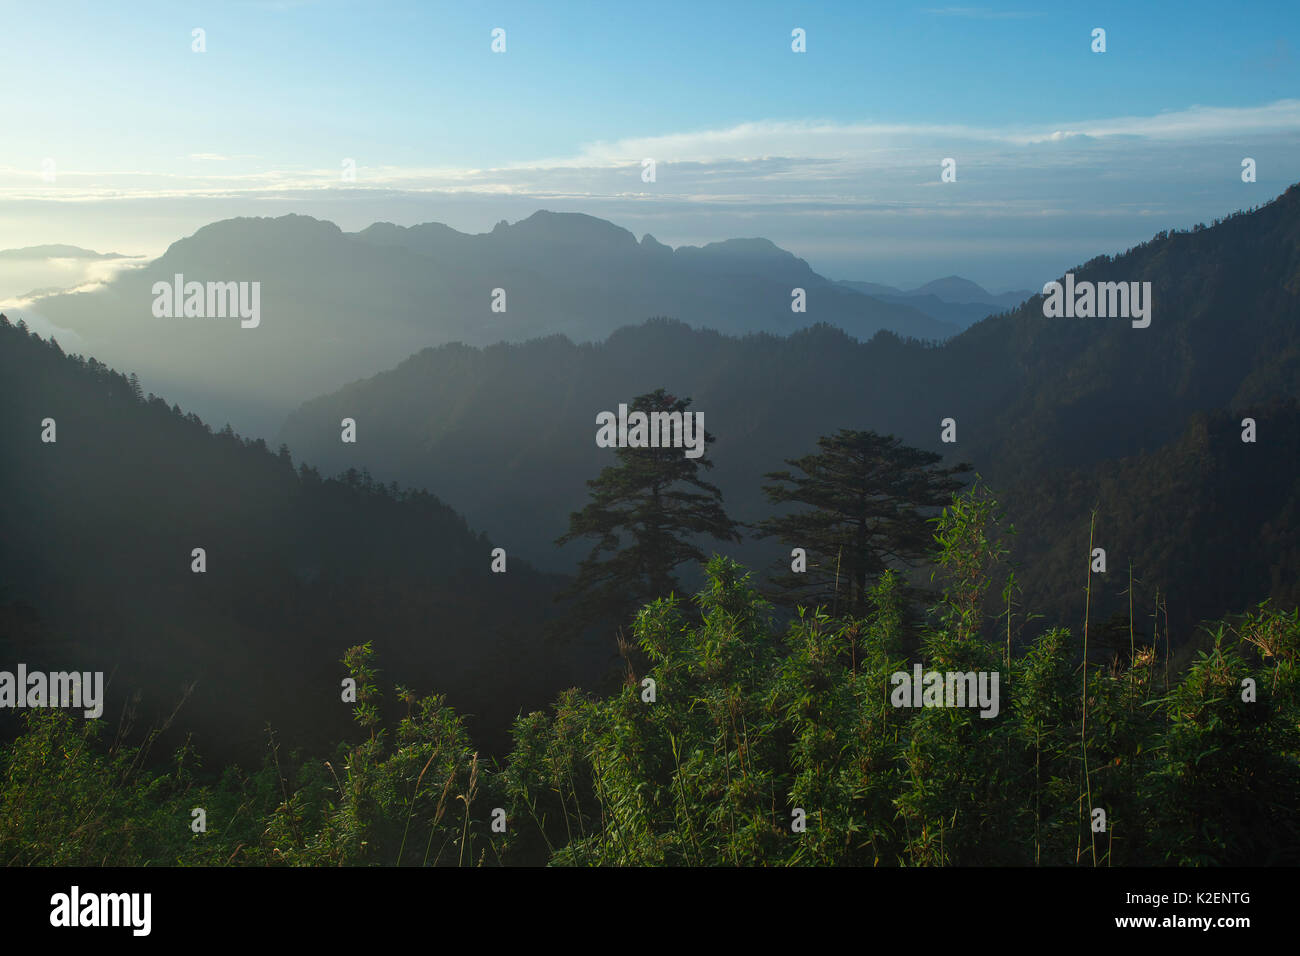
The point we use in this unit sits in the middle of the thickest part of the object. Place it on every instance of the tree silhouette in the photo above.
(645, 514)
(869, 494)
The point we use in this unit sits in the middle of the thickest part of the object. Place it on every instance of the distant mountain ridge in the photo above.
(58, 252)
(339, 305)
(1053, 412)
(97, 531)
(950, 299)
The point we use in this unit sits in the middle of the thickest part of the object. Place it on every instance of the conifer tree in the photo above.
(869, 495)
(645, 515)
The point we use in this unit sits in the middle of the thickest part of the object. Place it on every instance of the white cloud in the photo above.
(768, 161)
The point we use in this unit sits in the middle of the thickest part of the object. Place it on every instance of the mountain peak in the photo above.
(291, 227)
(570, 228)
(756, 246)
(753, 256)
(954, 289)
(420, 235)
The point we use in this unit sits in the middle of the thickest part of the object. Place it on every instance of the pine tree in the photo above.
(869, 495)
(645, 516)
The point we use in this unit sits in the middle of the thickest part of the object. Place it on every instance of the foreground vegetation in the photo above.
(726, 727)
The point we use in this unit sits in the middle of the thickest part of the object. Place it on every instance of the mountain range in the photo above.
(1090, 431)
(954, 300)
(56, 252)
(1051, 411)
(336, 306)
(98, 531)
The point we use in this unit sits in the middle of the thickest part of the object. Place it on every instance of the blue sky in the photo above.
(1061, 153)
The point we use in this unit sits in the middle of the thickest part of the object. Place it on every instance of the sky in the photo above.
(121, 137)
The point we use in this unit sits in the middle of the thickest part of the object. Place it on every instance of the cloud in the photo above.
(830, 140)
(18, 280)
(771, 161)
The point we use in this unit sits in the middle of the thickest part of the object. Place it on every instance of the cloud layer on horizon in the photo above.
(834, 193)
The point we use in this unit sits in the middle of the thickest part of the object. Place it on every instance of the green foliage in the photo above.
(968, 549)
(67, 800)
(749, 722)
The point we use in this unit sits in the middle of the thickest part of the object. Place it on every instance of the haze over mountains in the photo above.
(1052, 411)
(35, 271)
(97, 536)
(1061, 416)
(336, 306)
(952, 299)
